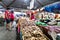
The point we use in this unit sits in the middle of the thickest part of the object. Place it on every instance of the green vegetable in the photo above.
(41, 23)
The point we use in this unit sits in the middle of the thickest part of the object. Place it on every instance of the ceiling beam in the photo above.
(40, 3)
(3, 4)
(11, 3)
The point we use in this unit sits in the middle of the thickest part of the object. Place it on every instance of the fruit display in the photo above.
(30, 31)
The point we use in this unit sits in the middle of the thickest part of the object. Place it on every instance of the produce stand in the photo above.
(34, 32)
(43, 26)
(45, 31)
(49, 29)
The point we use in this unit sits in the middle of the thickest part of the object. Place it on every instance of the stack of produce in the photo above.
(26, 22)
(30, 31)
(33, 33)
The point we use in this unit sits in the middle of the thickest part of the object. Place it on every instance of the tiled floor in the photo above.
(7, 35)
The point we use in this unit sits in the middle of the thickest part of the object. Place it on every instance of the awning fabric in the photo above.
(52, 8)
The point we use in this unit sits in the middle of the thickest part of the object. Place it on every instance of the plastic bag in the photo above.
(14, 24)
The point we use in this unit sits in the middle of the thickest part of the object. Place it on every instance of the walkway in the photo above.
(7, 35)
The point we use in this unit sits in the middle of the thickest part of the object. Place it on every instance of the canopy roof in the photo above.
(55, 7)
(25, 3)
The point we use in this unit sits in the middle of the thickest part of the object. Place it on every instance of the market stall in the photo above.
(54, 8)
(52, 13)
(29, 27)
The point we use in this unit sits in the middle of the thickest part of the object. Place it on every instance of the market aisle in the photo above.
(7, 35)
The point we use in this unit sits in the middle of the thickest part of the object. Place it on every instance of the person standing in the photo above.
(32, 17)
(11, 18)
(7, 19)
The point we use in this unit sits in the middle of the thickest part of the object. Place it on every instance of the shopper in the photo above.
(7, 18)
(11, 19)
(32, 17)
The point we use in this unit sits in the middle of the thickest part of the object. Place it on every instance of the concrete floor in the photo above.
(7, 35)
